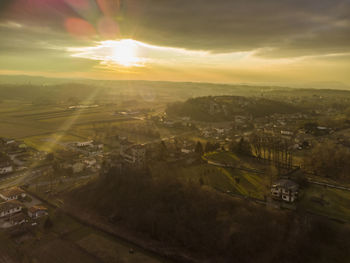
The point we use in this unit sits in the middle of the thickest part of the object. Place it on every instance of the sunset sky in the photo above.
(229, 41)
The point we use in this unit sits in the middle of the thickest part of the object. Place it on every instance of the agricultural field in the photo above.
(51, 142)
(49, 127)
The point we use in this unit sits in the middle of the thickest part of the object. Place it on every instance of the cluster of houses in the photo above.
(134, 155)
(81, 156)
(78, 163)
(15, 155)
(12, 210)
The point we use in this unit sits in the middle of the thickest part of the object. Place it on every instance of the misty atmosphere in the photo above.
(174, 131)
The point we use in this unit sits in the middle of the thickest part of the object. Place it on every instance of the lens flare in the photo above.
(78, 27)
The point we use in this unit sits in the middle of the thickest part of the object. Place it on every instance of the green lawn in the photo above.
(223, 179)
(326, 201)
(235, 180)
(223, 157)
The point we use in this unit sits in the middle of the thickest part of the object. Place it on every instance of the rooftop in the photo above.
(37, 208)
(11, 192)
(286, 184)
(5, 206)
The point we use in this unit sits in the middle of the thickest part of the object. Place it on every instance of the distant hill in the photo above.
(28, 88)
(35, 87)
(224, 108)
(326, 85)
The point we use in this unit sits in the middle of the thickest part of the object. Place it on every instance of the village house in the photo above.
(18, 219)
(135, 155)
(90, 162)
(10, 207)
(285, 190)
(186, 151)
(78, 167)
(287, 133)
(124, 144)
(206, 133)
(37, 211)
(7, 141)
(5, 169)
(84, 144)
(12, 193)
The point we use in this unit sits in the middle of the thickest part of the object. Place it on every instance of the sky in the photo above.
(227, 41)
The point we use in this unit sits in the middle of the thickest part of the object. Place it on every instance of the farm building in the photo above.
(78, 167)
(85, 144)
(5, 169)
(285, 190)
(135, 155)
(90, 162)
(6, 141)
(10, 207)
(37, 211)
(18, 219)
(12, 193)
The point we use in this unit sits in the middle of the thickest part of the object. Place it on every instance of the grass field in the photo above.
(227, 179)
(223, 179)
(20, 119)
(326, 201)
(243, 182)
(48, 127)
(223, 157)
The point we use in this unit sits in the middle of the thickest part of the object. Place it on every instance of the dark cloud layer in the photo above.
(282, 27)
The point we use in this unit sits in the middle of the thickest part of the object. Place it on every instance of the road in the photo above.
(29, 177)
(19, 178)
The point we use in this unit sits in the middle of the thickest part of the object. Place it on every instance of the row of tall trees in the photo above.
(242, 147)
(272, 149)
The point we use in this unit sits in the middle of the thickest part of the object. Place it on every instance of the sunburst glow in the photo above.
(124, 53)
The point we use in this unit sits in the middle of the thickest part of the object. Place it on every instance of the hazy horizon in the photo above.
(43, 80)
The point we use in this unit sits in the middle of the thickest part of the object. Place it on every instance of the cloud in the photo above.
(237, 39)
(272, 28)
(24, 47)
(10, 24)
(277, 28)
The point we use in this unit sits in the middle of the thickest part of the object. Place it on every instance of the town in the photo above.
(226, 134)
(95, 163)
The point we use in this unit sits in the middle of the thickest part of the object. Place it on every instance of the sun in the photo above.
(125, 53)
